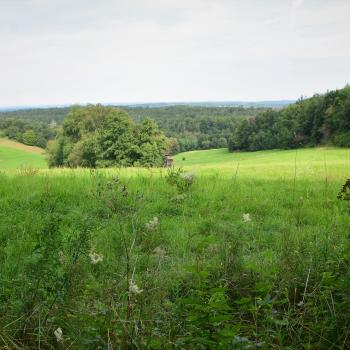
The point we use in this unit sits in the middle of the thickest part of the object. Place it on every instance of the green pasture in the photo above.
(12, 158)
(311, 163)
(251, 252)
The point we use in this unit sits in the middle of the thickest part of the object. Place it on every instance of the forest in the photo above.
(32, 132)
(189, 127)
(319, 120)
(323, 119)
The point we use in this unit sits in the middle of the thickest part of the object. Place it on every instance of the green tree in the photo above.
(152, 143)
(102, 136)
(115, 141)
(30, 138)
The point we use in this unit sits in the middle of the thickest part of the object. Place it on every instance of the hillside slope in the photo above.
(317, 163)
(14, 155)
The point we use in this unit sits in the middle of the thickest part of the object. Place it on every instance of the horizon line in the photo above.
(140, 103)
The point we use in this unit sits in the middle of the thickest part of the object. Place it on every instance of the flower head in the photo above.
(61, 257)
(95, 258)
(246, 217)
(189, 177)
(159, 251)
(133, 288)
(59, 335)
(153, 224)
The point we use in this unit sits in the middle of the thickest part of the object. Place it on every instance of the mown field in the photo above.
(14, 155)
(238, 251)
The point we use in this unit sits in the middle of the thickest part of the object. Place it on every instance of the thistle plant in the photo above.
(181, 180)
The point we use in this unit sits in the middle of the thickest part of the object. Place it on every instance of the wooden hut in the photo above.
(168, 161)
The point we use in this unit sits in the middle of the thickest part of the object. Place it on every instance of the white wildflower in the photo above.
(61, 257)
(159, 251)
(95, 258)
(246, 217)
(189, 177)
(59, 335)
(134, 289)
(213, 248)
(153, 224)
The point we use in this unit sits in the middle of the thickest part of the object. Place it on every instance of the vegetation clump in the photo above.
(99, 136)
(344, 193)
(181, 180)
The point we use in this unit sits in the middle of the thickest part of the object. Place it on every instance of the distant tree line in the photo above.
(321, 119)
(46, 115)
(187, 127)
(28, 131)
(100, 136)
(195, 127)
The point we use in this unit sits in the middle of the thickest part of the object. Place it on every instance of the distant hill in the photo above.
(265, 104)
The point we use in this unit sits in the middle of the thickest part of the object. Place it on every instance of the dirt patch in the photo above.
(21, 146)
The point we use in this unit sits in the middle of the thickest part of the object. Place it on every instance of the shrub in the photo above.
(342, 140)
(181, 180)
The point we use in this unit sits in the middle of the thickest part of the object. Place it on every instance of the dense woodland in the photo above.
(32, 132)
(189, 127)
(196, 127)
(321, 119)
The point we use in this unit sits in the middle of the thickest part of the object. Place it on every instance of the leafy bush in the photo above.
(98, 136)
(342, 140)
(181, 180)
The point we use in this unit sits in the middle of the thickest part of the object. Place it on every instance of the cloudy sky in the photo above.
(78, 51)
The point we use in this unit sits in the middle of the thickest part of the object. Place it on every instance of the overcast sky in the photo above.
(78, 51)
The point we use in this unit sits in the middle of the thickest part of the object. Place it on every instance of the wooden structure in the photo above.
(168, 161)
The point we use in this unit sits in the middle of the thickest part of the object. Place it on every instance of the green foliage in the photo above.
(152, 144)
(342, 140)
(196, 127)
(30, 138)
(143, 261)
(207, 317)
(28, 131)
(344, 193)
(98, 136)
(181, 180)
(190, 127)
(309, 122)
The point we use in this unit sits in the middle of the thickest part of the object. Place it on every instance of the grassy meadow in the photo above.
(14, 155)
(237, 251)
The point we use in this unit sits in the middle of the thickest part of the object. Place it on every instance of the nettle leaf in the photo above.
(228, 332)
(190, 301)
(194, 317)
(244, 300)
(283, 322)
(219, 318)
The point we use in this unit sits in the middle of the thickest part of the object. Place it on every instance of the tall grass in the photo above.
(198, 277)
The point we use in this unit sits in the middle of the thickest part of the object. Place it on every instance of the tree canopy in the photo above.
(321, 119)
(188, 127)
(100, 136)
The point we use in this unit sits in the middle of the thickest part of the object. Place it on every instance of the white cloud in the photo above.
(62, 51)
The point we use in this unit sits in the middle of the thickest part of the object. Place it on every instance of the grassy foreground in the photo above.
(249, 255)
